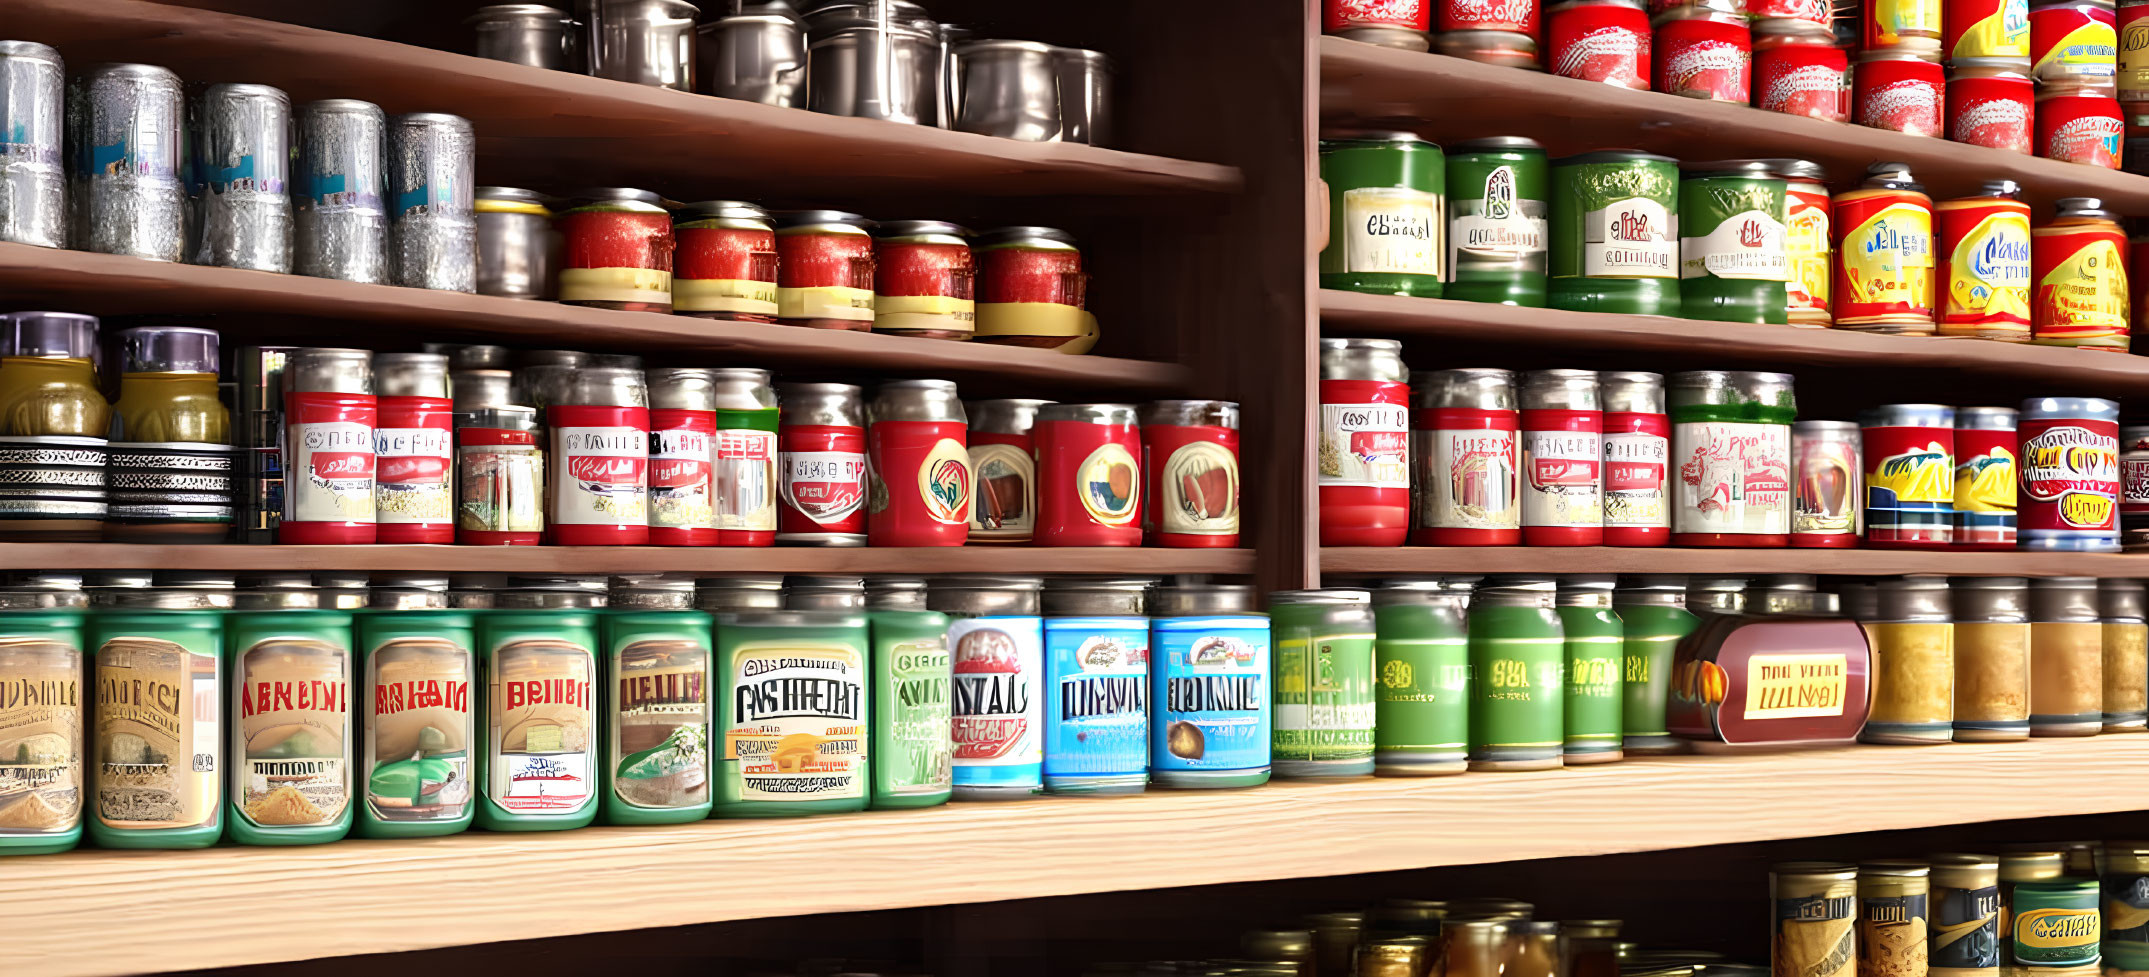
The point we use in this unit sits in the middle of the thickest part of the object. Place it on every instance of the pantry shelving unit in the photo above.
(1147, 561)
(1376, 560)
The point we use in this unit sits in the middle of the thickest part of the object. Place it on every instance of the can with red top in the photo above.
(919, 462)
(2079, 269)
(1506, 49)
(1601, 40)
(1562, 459)
(1190, 452)
(1703, 53)
(1909, 475)
(2079, 123)
(725, 265)
(1909, 27)
(821, 464)
(1806, 241)
(1031, 290)
(1982, 29)
(1985, 264)
(616, 250)
(1388, 23)
(1990, 103)
(2075, 41)
(1637, 445)
(1004, 465)
(924, 280)
(682, 457)
(1899, 91)
(1798, 69)
(600, 459)
(746, 424)
(824, 270)
(1512, 16)
(1465, 449)
(329, 419)
(414, 449)
(1363, 467)
(2134, 50)
(1089, 475)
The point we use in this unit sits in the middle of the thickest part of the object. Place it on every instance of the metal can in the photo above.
(1510, 16)
(1502, 48)
(500, 478)
(1884, 243)
(1190, 449)
(725, 265)
(996, 640)
(1386, 220)
(2134, 487)
(1909, 475)
(2126, 655)
(2066, 657)
(2017, 865)
(1829, 472)
(1731, 441)
(1799, 70)
(341, 191)
(1985, 263)
(1421, 661)
(527, 33)
(1562, 459)
(414, 449)
(33, 207)
(2056, 924)
(1985, 478)
(518, 251)
(821, 464)
(415, 675)
(1733, 263)
(746, 426)
(924, 280)
(330, 421)
(919, 465)
(1909, 26)
(599, 467)
(1615, 245)
(1594, 661)
(1324, 711)
(2074, 41)
(2080, 123)
(1995, 29)
(1637, 447)
(291, 730)
(537, 655)
(1703, 53)
(739, 592)
(1398, 25)
(1031, 290)
(1089, 475)
(618, 250)
(41, 659)
(1992, 658)
(1004, 461)
(2079, 261)
(1965, 916)
(1497, 209)
(1096, 686)
(912, 760)
(1517, 653)
(1209, 687)
(129, 198)
(1990, 103)
(824, 270)
(683, 492)
(1901, 91)
(2125, 948)
(1814, 931)
(432, 161)
(1913, 663)
(656, 665)
(143, 638)
(1601, 40)
(1465, 450)
(1894, 916)
(1806, 242)
(1653, 620)
(245, 159)
(1363, 465)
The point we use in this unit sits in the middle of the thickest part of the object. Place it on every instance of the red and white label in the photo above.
(1410, 15)
(1471, 480)
(746, 480)
(1562, 478)
(824, 486)
(415, 448)
(600, 466)
(682, 456)
(1365, 445)
(331, 468)
(1634, 464)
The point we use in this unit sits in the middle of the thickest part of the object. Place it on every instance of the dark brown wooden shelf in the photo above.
(1131, 561)
(1345, 560)
(1451, 98)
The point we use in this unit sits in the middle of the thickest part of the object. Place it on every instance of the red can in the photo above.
(1901, 92)
(329, 419)
(1363, 466)
(1089, 476)
(1909, 479)
(924, 280)
(1979, 29)
(824, 270)
(1562, 459)
(1702, 53)
(1190, 452)
(2069, 462)
(617, 251)
(1341, 16)
(821, 464)
(1031, 290)
(1513, 16)
(2075, 41)
(1816, 12)
(600, 459)
(1798, 70)
(414, 448)
(2079, 124)
(1465, 456)
(1637, 447)
(1991, 106)
(1602, 40)
(725, 267)
(918, 460)
(682, 452)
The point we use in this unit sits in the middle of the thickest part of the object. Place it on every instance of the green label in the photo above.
(1324, 697)
(1614, 219)
(1652, 637)
(914, 713)
(2056, 924)
(1421, 702)
(1593, 691)
(1519, 698)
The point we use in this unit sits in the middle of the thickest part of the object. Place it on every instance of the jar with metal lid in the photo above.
(1031, 290)
(289, 789)
(1637, 448)
(35, 170)
(279, 590)
(2066, 657)
(1653, 618)
(1387, 225)
(919, 463)
(1209, 688)
(2069, 450)
(1004, 461)
(48, 376)
(2134, 487)
(416, 677)
(1734, 431)
(1636, 273)
(2126, 655)
(500, 478)
(1992, 658)
(1518, 697)
(1089, 476)
(1363, 464)
(996, 643)
(739, 592)
(473, 390)
(1325, 705)
(924, 280)
(1733, 262)
(432, 163)
(1192, 453)
(1593, 659)
(682, 450)
(656, 665)
(1465, 454)
(518, 249)
(617, 253)
(824, 270)
(1913, 672)
(725, 267)
(599, 459)
(41, 655)
(1807, 243)
(330, 416)
(1096, 685)
(1421, 661)
(527, 33)
(1470, 947)
(537, 655)
(1404, 26)
(1562, 455)
(2078, 262)
(1815, 918)
(170, 638)
(168, 386)
(820, 464)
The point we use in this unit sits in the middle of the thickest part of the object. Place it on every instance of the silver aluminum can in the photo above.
(1003, 469)
(131, 141)
(527, 33)
(818, 592)
(517, 247)
(1085, 83)
(818, 483)
(244, 162)
(755, 56)
(1465, 487)
(738, 592)
(1560, 390)
(341, 191)
(1010, 89)
(33, 178)
(473, 390)
(410, 374)
(2069, 458)
(433, 236)
(1362, 359)
(2134, 487)
(324, 370)
(647, 42)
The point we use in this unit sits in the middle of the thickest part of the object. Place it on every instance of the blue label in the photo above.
(994, 698)
(1211, 693)
(1097, 697)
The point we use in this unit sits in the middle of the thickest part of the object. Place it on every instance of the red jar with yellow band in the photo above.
(824, 270)
(725, 267)
(1031, 289)
(618, 251)
(924, 280)
(2079, 261)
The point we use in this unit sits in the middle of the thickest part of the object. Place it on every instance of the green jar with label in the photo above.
(1324, 683)
(2056, 924)
(655, 673)
(1517, 663)
(1615, 245)
(913, 751)
(1653, 618)
(1421, 660)
(1498, 221)
(537, 654)
(42, 710)
(1733, 264)
(1596, 660)
(290, 725)
(417, 678)
(793, 712)
(1387, 219)
(156, 730)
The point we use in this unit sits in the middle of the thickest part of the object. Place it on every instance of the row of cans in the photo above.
(121, 159)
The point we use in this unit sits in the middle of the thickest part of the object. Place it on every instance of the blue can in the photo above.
(1096, 687)
(1209, 688)
(2069, 451)
(996, 644)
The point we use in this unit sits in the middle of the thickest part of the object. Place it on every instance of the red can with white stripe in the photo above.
(2075, 41)
(329, 419)
(1901, 92)
(1363, 466)
(1989, 103)
(682, 457)
(1601, 40)
(1562, 459)
(413, 488)
(600, 459)
(1513, 16)
(1798, 70)
(1703, 53)
(2079, 124)
(821, 464)
(1465, 452)
(1637, 447)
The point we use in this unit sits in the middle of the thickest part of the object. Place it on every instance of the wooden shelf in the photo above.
(232, 906)
(1667, 559)
(1453, 99)
(1132, 561)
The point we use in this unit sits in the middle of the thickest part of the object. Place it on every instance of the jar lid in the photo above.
(550, 357)
(1036, 237)
(1984, 418)
(1796, 169)
(720, 209)
(1006, 416)
(1333, 136)
(1495, 144)
(50, 335)
(1332, 595)
(1818, 428)
(509, 200)
(919, 228)
(518, 11)
(1892, 175)
(168, 349)
(895, 593)
(1209, 413)
(993, 45)
(410, 374)
(791, 219)
(1110, 414)
(2083, 207)
(618, 198)
(1187, 599)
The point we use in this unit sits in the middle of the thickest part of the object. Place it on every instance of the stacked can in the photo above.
(1898, 82)
(1989, 92)
(1799, 70)
(821, 464)
(432, 158)
(1005, 465)
(1909, 475)
(1637, 449)
(1562, 459)
(1985, 264)
(2070, 474)
(1465, 456)
(33, 203)
(2133, 74)
(1884, 249)
(1807, 246)
(1404, 24)
(129, 198)
(1732, 260)
(1363, 467)
(2079, 269)
(1600, 40)
(244, 160)
(1985, 478)
(341, 222)
(1502, 32)
(2074, 54)
(1703, 52)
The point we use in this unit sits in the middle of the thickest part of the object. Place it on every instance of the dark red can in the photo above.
(1902, 92)
(918, 454)
(820, 465)
(616, 251)
(1190, 453)
(1703, 53)
(1798, 70)
(1089, 475)
(2079, 124)
(1602, 40)
(1991, 105)
(1514, 16)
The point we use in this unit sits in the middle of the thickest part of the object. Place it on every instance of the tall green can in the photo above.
(41, 721)
(1498, 221)
(793, 712)
(1594, 639)
(539, 661)
(1733, 263)
(913, 749)
(656, 715)
(1615, 245)
(291, 730)
(1386, 216)
(418, 738)
(1324, 683)
(156, 730)
(1652, 611)
(1421, 653)
(1517, 660)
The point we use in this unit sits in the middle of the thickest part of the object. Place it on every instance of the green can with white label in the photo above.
(1325, 708)
(657, 711)
(1421, 654)
(418, 736)
(1653, 619)
(42, 695)
(793, 713)
(538, 657)
(1387, 218)
(1615, 245)
(1594, 638)
(1498, 221)
(291, 730)
(913, 750)
(156, 734)
(1733, 265)
(1517, 665)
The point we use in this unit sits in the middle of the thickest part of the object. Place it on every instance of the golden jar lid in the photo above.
(2025, 866)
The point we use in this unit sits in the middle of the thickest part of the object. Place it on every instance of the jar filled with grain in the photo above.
(1992, 658)
(1913, 673)
(2066, 658)
(1816, 914)
(1893, 905)
(2126, 655)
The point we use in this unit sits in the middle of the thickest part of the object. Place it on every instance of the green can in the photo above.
(1324, 683)
(1615, 245)
(794, 714)
(1498, 221)
(416, 750)
(1421, 656)
(1733, 264)
(291, 727)
(537, 655)
(156, 728)
(1517, 658)
(41, 721)
(745, 474)
(913, 750)
(656, 721)
(1386, 214)
(1653, 618)
(2056, 924)
(1596, 658)
(2125, 942)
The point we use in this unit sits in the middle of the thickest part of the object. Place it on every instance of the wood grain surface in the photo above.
(1346, 560)
(631, 559)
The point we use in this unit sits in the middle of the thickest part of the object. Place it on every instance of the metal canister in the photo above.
(341, 190)
(996, 640)
(656, 667)
(1386, 217)
(1009, 89)
(824, 270)
(1595, 660)
(290, 726)
(1913, 663)
(2134, 487)
(1985, 263)
(1562, 459)
(432, 161)
(1733, 262)
(1827, 472)
(1615, 245)
(129, 198)
(2018, 865)
(913, 751)
(647, 42)
(2056, 925)
(1518, 658)
(2125, 941)
(1813, 931)
(1734, 430)
(518, 252)
(874, 61)
(1096, 686)
(2126, 655)
(1498, 207)
(924, 280)
(1085, 83)
(330, 421)
(739, 592)
(1003, 459)
(41, 659)
(244, 157)
(144, 638)
(598, 463)
(1190, 449)
(725, 263)
(683, 496)
(827, 592)
(1985, 477)
(1894, 916)
(1209, 691)
(2066, 657)
(2079, 264)
(537, 654)
(416, 674)
(616, 250)
(1637, 448)
(919, 464)
(1807, 243)
(755, 55)
(474, 390)
(1909, 475)
(33, 203)
(821, 464)
(1884, 247)
(1465, 456)
(414, 444)
(746, 427)
(790, 754)
(1653, 618)
(1965, 916)
(1089, 475)
(1325, 705)
(1992, 658)
(527, 33)
(1421, 662)
(500, 478)
(2069, 460)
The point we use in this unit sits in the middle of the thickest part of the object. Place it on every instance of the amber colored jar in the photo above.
(824, 270)
(2066, 658)
(167, 387)
(725, 265)
(1475, 947)
(1913, 677)
(924, 280)
(1992, 658)
(1533, 949)
(48, 382)
(2126, 656)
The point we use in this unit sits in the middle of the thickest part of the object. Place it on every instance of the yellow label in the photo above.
(615, 285)
(40, 735)
(1805, 241)
(1918, 475)
(531, 208)
(797, 728)
(157, 735)
(1986, 483)
(2085, 509)
(1033, 319)
(2005, 33)
(723, 295)
(896, 313)
(1989, 271)
(1889, 258)
(2085, 294)
(2057, 928)
(2094, 45)
(825, 302)
(1795, 686)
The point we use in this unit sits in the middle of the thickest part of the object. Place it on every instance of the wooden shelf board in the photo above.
(1667, 559)
(1457, 99)
(232, 906)
(1133, 561)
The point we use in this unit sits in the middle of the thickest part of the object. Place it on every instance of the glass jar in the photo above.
(499, 478)
(725, 266)
(1734, 431)
(924, 280)
(48, 381)
(2126, 656)
(2066, 658)
(618, 251)
(1992, 658)
(824, 270)
(167, 386)
(1031, 290)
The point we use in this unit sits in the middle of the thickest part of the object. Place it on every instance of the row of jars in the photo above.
(622, 248)
(1467, 936)
(1492, 220)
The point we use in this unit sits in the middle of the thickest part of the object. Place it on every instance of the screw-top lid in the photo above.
(819, 592)
(895, 593)
(720, 210)
(50, 335)
(1891, 175)
(168, 349)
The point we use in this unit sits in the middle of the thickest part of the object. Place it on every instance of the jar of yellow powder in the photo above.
(1913, 673)
(1992, 658)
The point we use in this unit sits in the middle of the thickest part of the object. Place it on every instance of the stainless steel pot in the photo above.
(1010, 89)
(647, 42)
(1085, 96)
(874, 61)
(757, 56)
(527, 33)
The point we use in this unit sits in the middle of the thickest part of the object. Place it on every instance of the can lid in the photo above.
(1005, 44)
(628, 198)
(342, 106)
(1494, 144)
(1843, 871)
(1036, 236)
(1796, 169)
(919, 228)
(1907, 415)
(30, 50)
(49, 335)
(1181, 599)
(1613, 156)
(2133, 436)
(2083, 207)
(787, 219)
(429, 120)
(516, 11)
(1111, 414)
(1210, 413)
(1084, 56)
(1892, 175)
(728, 209)
(1759, 168)
(1338, 136)
(168, 349)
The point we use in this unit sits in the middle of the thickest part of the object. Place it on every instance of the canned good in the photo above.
(341, 228)
(1421, 657)
(2079, 123)
(1894, 900)
(1806, 242)
(919, 465)
(1799, 70)
(1637, 446)
(517, 247)
(1703, 53)
(1901, 91)
(2126, 655)
(1884, 242)
(1510, 16)
(1913, 656)
(1985, 477)
(500, 478)
(1908, 26)
(924, 280)
(1324, 713)
(1385, 220)
(1004, 460)
(683, 492)
(912, 760)
(1089, 478)
(725, 263)
(415, 673)
(1990, 103)
(291, 730)
(824, 270)
(1909, 475)
(1563, 458)
(1497, 210)
(1593, 659)
(1398, 25)
(1465, 450)
(537, 655)
(739, 592)
(1992, 658)
(617, 251)
(2056, 924)
(1031, 290)
(1731, 223)
(1601, 40)
(996, 638)
(330, 417)
(1506, 49)
(2081, 273)
(157, 638)
(1209, 687)
(413, 448)
(1517, 653)
(33, 208)
(1364, 461)
(48, 376)
(2070, 474)
(1830, 473)
(2066, 657)
(1965, 916)
(1192, 452)
(41, 657)
(1653, 619)
(2133, 35)
(821, 464)
(745, 473)
(1985, 29)
(2134, 486)
(599, 462)
(128, 196)
(245, 159)
(2125, 947)
(1733, 431)
(433, 230)
(1815, 919)
(2074, 41)
(1614, 241)
(1985, 263)
(1096, 686)
(785, 754)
